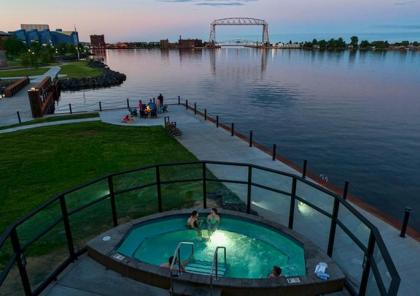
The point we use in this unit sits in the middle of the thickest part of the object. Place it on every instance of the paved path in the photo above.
(20, 101)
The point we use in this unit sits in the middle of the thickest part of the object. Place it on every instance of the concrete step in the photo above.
(204, 268)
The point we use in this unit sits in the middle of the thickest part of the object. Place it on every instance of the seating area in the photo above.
(144, 111)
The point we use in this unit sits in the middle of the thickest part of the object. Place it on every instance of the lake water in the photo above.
(354, 117)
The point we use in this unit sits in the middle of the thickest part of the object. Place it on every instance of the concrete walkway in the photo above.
(20, 101)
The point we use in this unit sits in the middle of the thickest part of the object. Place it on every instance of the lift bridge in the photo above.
(240, 21)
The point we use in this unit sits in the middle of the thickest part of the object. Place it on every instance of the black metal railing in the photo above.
(38, 247)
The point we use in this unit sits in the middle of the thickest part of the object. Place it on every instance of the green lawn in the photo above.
(53, 118)
(79, 69)
(23, 72)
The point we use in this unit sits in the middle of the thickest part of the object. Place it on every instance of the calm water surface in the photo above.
(355, 117)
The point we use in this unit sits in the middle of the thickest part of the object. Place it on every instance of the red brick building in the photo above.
(97, 41)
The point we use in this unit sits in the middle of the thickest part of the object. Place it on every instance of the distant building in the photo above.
(39, 27)
(164, 44)
(97, 42)
(46, 36)
(189, 43)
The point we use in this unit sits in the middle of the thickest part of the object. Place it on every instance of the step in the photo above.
(204, 268)
(189, 290)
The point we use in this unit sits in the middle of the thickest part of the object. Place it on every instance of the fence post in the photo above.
(71, 111)
(366, 267)
(333, 227)
(18, 116)
(159, 193)
(20, 263)
(186, 104)
(112, 200)
(248, 199)
(100, 106)
(292, 203)
(274, 151)
(128, 104)
(204, 186)
(67, 227)
(195, 108)
(305, 166)
(404, 225)
(217, 121)
(345, 190)
(250, 138)
(232, 129)
(205, 114)
(179, 100)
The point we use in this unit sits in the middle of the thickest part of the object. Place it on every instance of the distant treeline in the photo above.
(340, 44)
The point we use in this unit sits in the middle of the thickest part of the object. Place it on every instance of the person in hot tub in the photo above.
(213, 220)
(169, 263)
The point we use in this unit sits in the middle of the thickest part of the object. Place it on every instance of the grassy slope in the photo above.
(52, 118)
(23, 72)
(36, 164)
(79, 70)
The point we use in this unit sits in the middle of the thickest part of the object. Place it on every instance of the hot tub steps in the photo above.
(204, 268)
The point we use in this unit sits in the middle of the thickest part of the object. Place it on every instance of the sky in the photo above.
(152, 20)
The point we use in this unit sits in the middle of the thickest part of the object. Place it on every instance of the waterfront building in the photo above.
(189, 43)
(39, 27)
(46, 36)
(97, 41)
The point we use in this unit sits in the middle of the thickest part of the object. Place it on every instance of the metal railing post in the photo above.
(128, 104)
(250, 138)
(159, 193)
(67, 227)
(100, 106)
(20, 263)
(366, 265)
(186, 104)
(195, 108)
(232, 129)
(205, 114)
(333, 227)
(179, 100)
(404, 225)
(217, 121)
(18, 116)
(292, 204)
(248, 199)
(204, 186)
(274, 151)
(70, 109)
(305, 166)
(112, 200)
(345, 190)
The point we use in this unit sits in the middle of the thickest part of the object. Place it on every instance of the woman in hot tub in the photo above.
(213, 221)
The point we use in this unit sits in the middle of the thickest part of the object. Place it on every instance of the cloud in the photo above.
(404, 2)
(212, 2)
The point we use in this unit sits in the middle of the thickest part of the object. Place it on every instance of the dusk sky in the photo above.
(147, 20)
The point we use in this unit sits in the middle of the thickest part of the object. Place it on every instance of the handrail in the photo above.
(177, 258)
(215, 264)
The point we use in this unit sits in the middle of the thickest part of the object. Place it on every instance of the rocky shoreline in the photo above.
(107, 79)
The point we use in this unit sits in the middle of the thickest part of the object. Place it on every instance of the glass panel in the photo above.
(312, 224)
(349, 257)
(229, 172)
(135, 204)
(32, 227)
(271, 205)
(90, 222)
(372, 286)
(354, 224)
(86, 194)
(382, 268)
(182, 195)
(227, 195)
(181, 172)
(6, 252)
(12, 285)
(272, 180)
(45, 255)
(315, 196)
(134, 179)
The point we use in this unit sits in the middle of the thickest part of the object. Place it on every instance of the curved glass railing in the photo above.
(38, 247)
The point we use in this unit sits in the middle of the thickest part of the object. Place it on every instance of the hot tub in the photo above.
(253, 246)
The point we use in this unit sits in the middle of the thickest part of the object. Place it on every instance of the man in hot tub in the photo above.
(169, 263)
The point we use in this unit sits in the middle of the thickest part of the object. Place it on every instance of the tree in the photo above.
(364, 44)
(354, 42)
(14, 47)
(322, 44)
